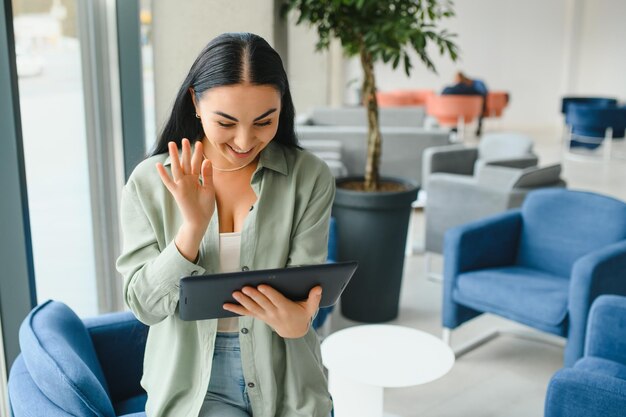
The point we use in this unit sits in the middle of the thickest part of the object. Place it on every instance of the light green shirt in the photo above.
(288, 225)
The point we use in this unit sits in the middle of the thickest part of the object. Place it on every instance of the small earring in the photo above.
(197, 117)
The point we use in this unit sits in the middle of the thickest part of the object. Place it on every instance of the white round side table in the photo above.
(363, 360)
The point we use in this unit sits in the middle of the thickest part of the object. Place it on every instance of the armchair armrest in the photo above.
(577, 393)
(485, 243)
(606, 329)
(119, 340)
(520, 163)
(599, 272)
(25, 398)
(451, 159)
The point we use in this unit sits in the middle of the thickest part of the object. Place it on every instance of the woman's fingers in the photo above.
(249, 304)
(175, 161)
(196, 159)
(207, 173)
(167, 181)
(186, 160)
(259, 298)
(274, 296)
(237, 309)
(313, 302)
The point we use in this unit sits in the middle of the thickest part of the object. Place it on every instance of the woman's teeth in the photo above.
(238, 151)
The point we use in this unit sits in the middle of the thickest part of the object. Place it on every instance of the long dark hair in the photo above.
(221, 63)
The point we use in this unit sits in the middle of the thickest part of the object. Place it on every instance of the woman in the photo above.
(239, 194)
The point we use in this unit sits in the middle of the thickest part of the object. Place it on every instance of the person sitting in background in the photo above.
(465, 86)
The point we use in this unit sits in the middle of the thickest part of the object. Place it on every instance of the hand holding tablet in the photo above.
(203, 297)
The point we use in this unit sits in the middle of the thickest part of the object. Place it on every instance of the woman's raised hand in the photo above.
(191, 185)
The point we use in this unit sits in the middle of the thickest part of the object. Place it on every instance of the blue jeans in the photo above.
(226, 396)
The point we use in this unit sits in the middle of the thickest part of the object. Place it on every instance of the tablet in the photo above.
(203, 296)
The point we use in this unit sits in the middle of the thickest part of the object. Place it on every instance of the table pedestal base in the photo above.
(353, 399)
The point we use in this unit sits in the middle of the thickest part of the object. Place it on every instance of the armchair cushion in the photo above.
(61, 360)
(540, 297)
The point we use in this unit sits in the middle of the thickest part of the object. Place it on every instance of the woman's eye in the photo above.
(225, 124)
(267, 123)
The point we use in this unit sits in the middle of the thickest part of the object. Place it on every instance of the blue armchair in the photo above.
(596, 385)
(541, 265)
(591, 125)
(566, 102)
(70, 367)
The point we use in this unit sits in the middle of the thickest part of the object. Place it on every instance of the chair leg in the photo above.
(567, 139)
(446, 336)
(521, 334)
(460, 127)
(475, 343)
(431, 276)
(608, 143)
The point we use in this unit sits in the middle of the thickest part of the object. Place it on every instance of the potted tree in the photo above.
(372, 212)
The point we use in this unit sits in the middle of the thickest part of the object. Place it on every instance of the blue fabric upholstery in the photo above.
(491, 289)
(592, 121)
(324, 312)
(541, 266)
(71, 367)
(566, 102)
(26, 398)
(561, 227)
(61, 359)
(596, 385)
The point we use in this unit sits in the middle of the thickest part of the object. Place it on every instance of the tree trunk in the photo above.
(372, 166)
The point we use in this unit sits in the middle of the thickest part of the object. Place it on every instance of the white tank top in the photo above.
(230, 252)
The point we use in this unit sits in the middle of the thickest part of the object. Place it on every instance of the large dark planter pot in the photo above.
(372, 229)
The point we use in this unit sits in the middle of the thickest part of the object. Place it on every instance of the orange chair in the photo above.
(451, 110)
(420, 97)
(398, 98)
(394, 98)
(496, 103)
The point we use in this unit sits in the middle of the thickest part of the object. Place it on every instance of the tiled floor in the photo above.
(508, 376)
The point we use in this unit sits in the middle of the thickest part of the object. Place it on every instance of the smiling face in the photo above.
(239, 121)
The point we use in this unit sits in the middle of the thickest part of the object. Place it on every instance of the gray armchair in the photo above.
(512, 150)
(457, 199)
(406, 116)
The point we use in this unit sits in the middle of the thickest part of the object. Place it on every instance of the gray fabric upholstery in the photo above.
(452, 159)
(505, 149)
(537, 177)
(494, 146)
(406, 116)
(457, 199)
(402, 147)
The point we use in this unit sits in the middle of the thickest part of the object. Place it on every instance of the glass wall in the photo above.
(53, 123)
